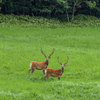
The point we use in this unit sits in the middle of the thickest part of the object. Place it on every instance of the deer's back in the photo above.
(38, 65)
(53, 72)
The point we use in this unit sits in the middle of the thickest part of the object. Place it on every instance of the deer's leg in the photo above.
(33, 70)
(29, 71)
(45, 77)
(43, 71)
(58, 78)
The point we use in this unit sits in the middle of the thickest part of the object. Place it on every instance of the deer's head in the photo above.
(47, 58)
(63, 65)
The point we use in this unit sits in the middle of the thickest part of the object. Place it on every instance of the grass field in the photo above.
(81, 78)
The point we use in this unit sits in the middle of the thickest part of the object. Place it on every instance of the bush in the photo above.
(27, 21)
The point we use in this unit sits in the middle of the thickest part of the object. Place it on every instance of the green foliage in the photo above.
(91, 4)
(50, 8)
(27, 21)
(31, 7)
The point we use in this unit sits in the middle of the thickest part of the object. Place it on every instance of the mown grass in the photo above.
(80, 80)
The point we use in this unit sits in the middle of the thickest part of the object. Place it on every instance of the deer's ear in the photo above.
(45, 56)
(64, 64)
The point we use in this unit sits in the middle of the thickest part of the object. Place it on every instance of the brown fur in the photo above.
(55, 72)
(40, 65)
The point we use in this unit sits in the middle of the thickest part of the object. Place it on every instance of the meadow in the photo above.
(21, 45)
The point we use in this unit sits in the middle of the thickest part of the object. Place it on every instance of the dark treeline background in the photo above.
(51, 8)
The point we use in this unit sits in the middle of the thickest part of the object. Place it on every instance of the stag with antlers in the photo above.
(55, 72)
(40, 65)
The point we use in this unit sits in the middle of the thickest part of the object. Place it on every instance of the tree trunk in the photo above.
(67, 15)
(74, 10)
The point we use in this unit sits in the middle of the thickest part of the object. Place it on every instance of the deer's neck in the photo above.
(47, 62)
(62, 69)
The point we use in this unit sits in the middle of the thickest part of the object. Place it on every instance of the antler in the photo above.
(42, 52)
(52, 52)
(58, 60)
(67, 61)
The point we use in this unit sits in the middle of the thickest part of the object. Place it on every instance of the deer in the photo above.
(40, 65)
(55, 72)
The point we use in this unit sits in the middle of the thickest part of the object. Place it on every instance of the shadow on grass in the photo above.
(36, 79)
(41, 79)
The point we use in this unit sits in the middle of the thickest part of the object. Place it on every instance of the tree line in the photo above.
(51, 8)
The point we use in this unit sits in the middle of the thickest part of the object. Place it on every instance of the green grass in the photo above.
(80, 80)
